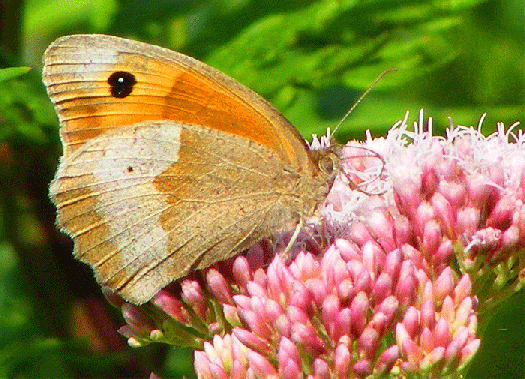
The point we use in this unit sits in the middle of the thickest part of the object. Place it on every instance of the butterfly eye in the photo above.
(328, 161)
(121, 83)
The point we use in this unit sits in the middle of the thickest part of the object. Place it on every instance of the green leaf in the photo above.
(12, 72)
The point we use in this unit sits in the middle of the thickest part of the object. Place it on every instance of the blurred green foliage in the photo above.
(311, 59)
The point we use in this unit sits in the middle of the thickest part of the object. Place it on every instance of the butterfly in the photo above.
(168, 164)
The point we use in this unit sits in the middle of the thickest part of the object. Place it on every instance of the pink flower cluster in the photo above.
(414, 240)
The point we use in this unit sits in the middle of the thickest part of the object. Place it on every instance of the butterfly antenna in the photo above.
(374, 83)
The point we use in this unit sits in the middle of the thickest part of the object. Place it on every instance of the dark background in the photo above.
(311, 59)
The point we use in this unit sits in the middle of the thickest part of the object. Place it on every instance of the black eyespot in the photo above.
(121, 83)
(130, 169)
